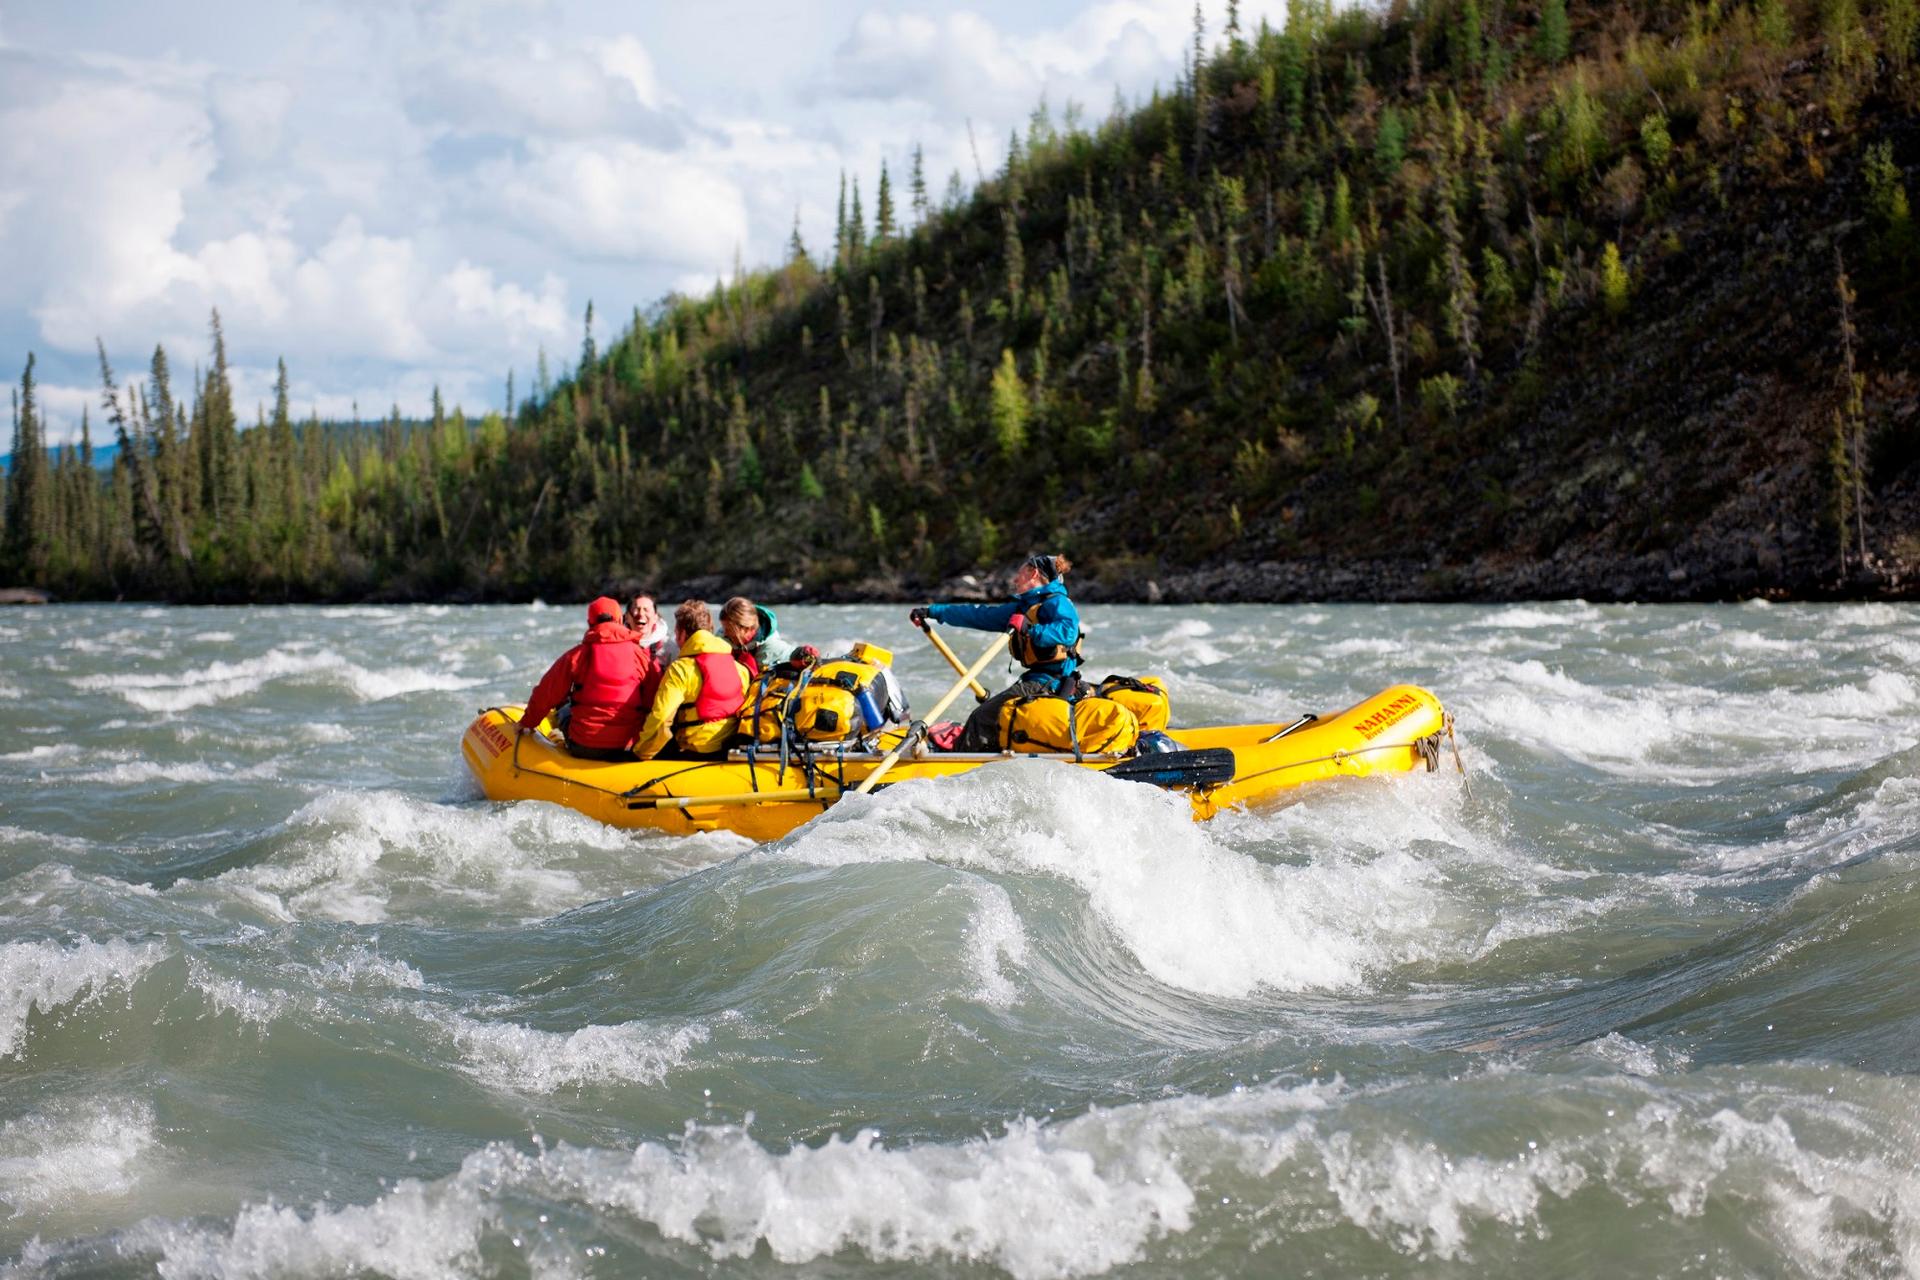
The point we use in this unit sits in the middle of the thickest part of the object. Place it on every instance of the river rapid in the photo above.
(280, 995)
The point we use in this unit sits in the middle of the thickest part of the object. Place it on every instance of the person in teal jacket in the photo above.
(1046, 641)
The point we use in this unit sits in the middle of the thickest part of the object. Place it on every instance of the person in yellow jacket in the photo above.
(698, 706)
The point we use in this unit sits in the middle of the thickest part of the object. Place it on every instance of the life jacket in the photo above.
(1090, 726)
(1145, 696)
(1028, 654)
(821, 703)
(608, 674)
(721, 692)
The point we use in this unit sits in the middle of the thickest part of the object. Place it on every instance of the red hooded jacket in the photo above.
(609, 677)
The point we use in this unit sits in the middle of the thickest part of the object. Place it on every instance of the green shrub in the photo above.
(1655, 142)
(1902, 18)
(1774, 23)
(1390, 143)
(1441, 394)
(1553, 39)
(1009, 407)
(1888, 206)
(1615, 283)
(1579, 131)
(1496, 290)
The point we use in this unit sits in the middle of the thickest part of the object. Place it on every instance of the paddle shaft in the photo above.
(966, 678)
(953, 660)
(1301, 723)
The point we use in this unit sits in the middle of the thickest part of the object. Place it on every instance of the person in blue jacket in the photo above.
(1046, 641)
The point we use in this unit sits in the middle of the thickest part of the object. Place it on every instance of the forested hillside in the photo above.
(1454, 299)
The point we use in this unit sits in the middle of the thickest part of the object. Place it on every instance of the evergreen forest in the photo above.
(1447, 298)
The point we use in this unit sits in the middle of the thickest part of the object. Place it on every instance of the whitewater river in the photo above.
(280, 996)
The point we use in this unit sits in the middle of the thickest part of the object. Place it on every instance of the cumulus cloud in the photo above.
(959, 63)
(543, 90)
(611, 199)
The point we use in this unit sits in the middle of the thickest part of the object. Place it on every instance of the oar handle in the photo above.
(953, 659)
(980, 664)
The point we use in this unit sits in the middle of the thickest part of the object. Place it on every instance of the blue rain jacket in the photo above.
(1058, 623)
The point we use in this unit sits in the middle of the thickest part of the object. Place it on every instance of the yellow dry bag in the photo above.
(1091, 726)
(1145, 696)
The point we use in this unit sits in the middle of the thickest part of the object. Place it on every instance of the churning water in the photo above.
(280, 996)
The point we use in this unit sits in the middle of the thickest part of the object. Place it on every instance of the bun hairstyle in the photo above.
(693, 616)
(1048, 567)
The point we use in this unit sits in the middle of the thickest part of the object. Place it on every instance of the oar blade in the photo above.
(1207, 767)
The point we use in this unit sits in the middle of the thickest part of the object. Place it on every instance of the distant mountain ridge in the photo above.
(103, 456)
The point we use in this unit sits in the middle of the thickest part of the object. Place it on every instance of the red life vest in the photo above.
(747, 659)
(721, 692)
(607, 674)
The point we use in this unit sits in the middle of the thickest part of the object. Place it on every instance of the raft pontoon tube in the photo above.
(1398, 730)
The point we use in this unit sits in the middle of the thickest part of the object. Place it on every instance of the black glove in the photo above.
(918, 617)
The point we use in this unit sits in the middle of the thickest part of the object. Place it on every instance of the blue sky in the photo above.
(399, 195)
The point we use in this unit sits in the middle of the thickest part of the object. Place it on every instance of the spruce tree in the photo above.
(28, 513)
(840, 238)
(856, 226)
(917, 187)
(1553, 39)
(796, 247)
(883, 224)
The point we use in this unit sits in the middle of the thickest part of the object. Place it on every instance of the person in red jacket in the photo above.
(606, 682)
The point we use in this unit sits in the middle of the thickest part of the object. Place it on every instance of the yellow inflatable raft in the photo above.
(1395, 731)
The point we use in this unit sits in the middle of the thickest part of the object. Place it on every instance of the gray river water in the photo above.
(279, 995)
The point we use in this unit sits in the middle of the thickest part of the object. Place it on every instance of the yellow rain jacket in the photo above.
(673, 707)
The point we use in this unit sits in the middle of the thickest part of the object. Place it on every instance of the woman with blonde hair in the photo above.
(754, 634)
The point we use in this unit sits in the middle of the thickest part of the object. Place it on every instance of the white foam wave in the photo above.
(1194, 912)
(134, 772)
(48, 976)
(1687, 733)
(223, 681)
(74, 1151)
(254, 1006)
(526, 1060)
(996, 942)
(1874, 616)
(55, 751)
(1530, 618)
(54, 839)
(362, 967)
(355, 851)
(1821, 1180)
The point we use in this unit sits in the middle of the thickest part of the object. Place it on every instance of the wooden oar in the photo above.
(966, 678)
(953, 660)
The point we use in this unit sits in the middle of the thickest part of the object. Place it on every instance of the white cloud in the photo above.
(249, 115)
(958, 61)
(623, 200)
(98, 172)
(540, 89)
(959, 64)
